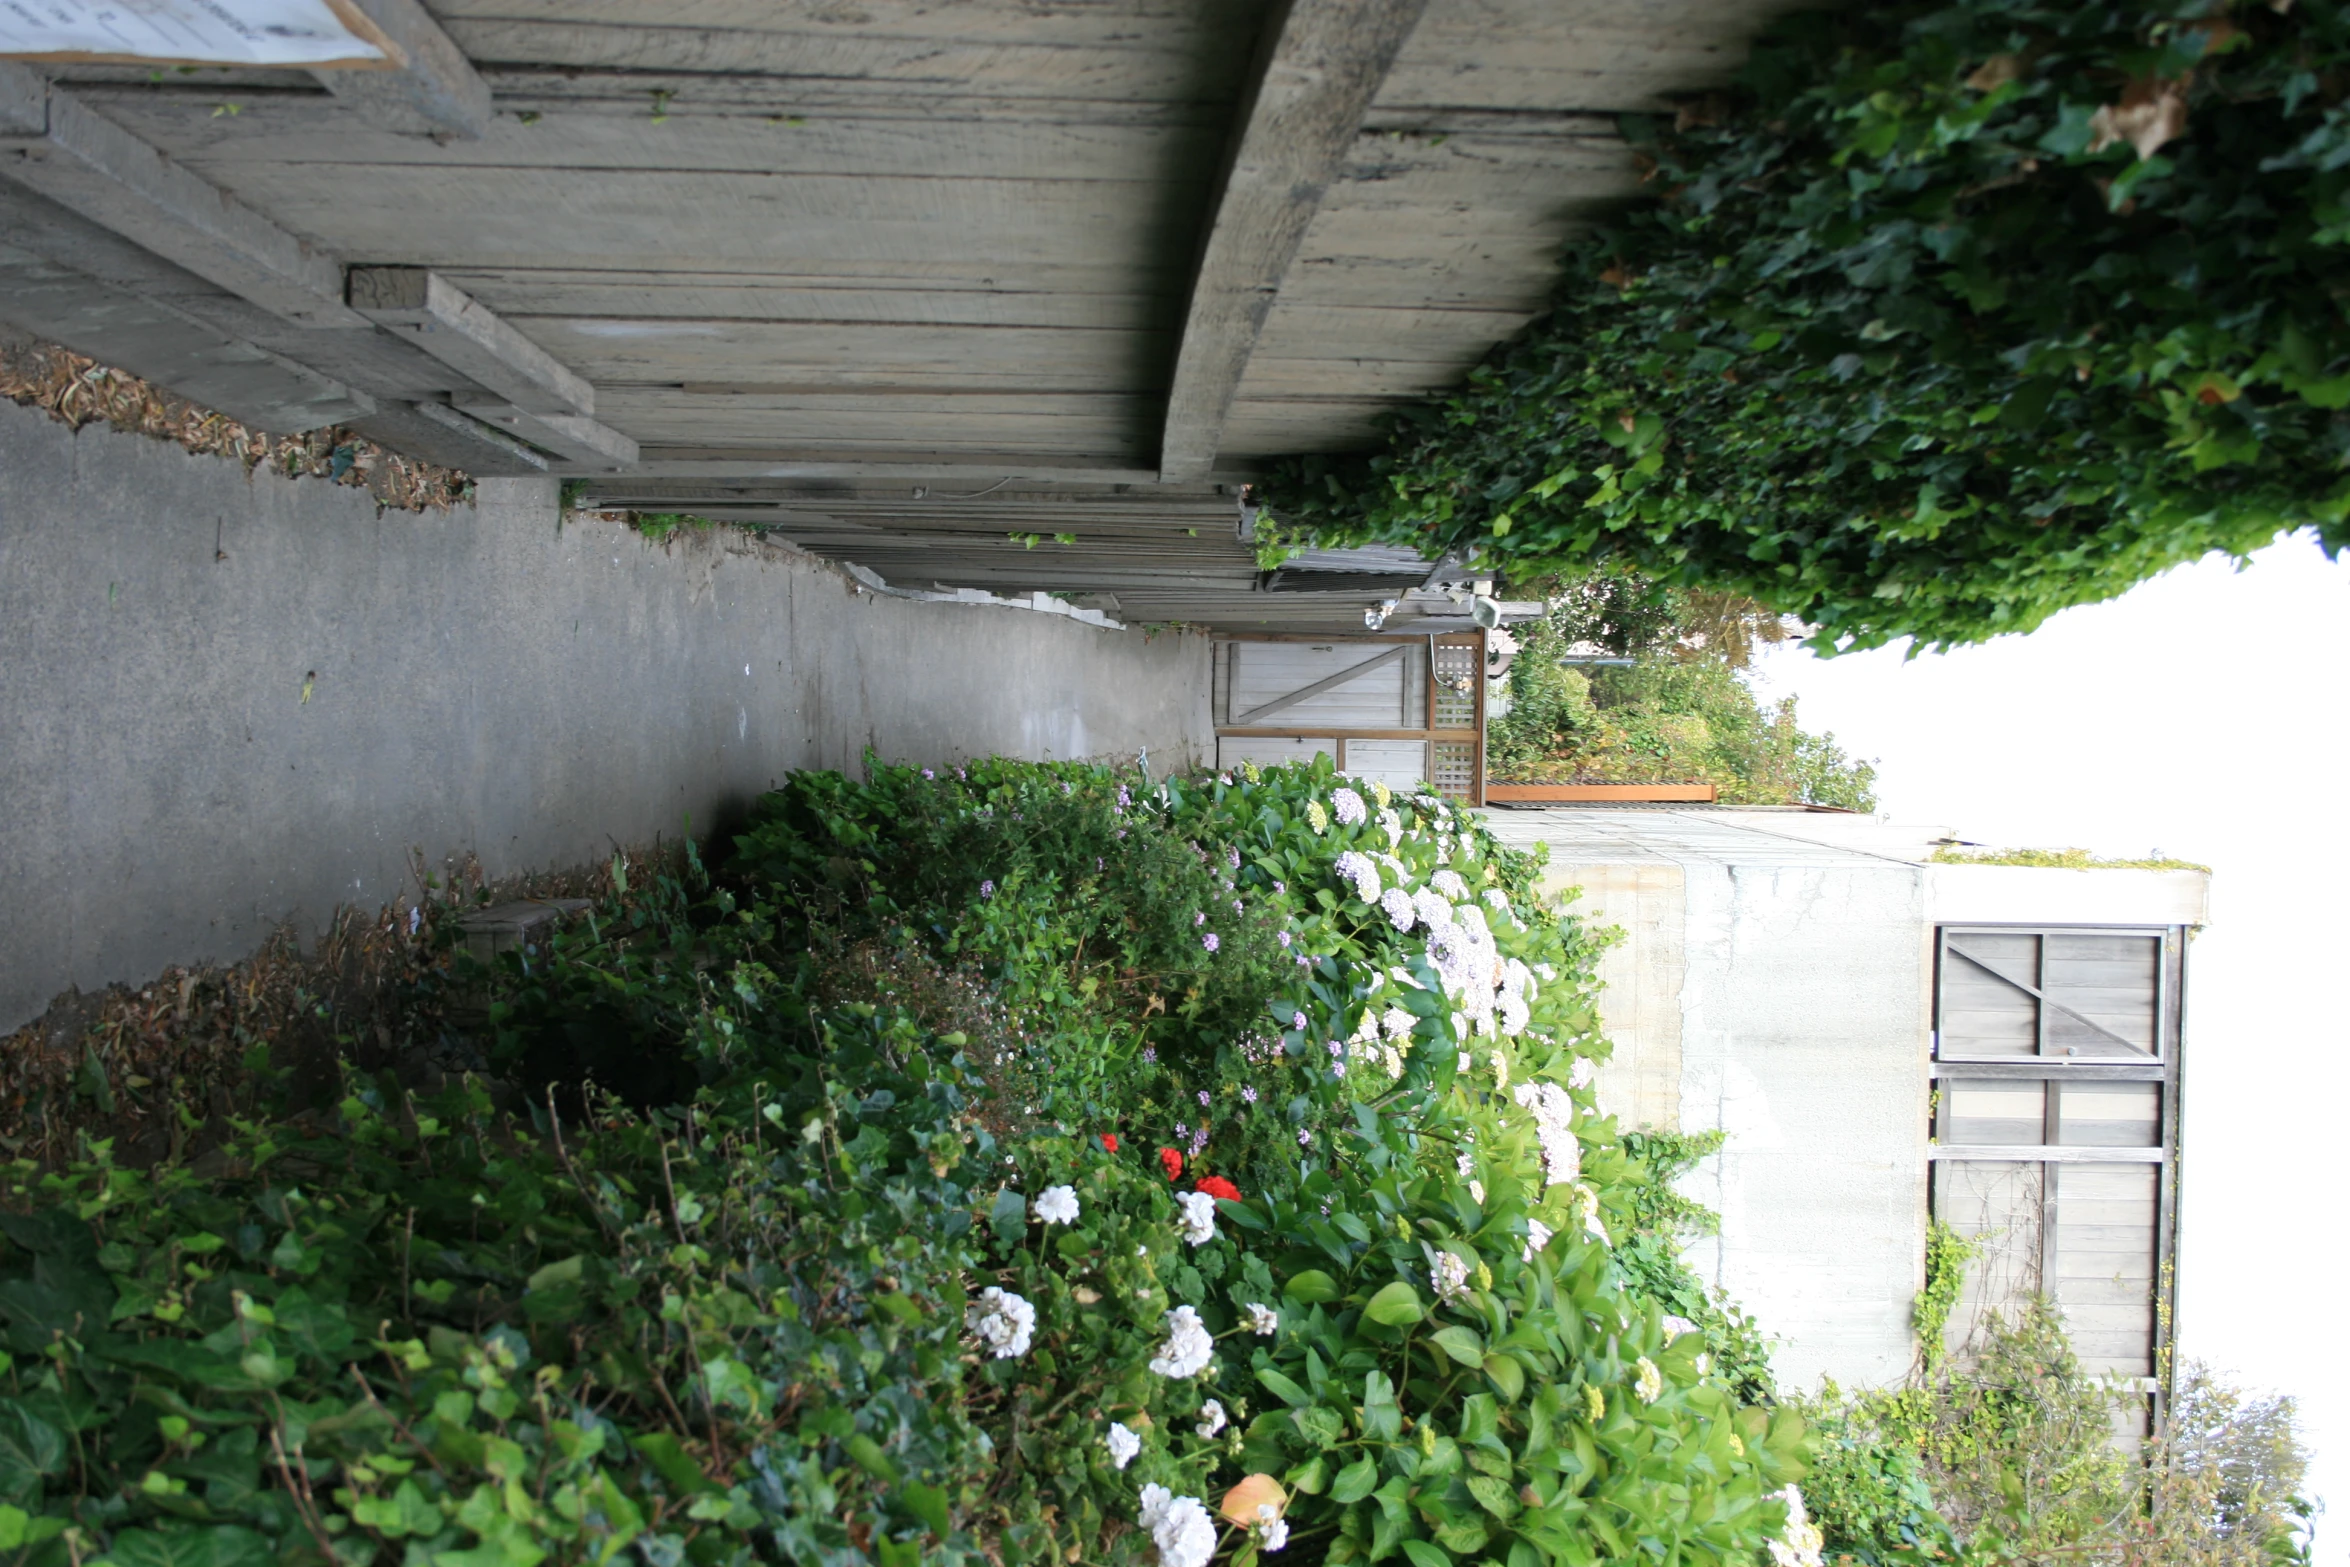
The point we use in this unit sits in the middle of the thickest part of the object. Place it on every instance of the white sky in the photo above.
(2204, 715)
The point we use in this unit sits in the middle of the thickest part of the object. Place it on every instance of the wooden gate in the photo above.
(1405, 711)
(2056, 1132)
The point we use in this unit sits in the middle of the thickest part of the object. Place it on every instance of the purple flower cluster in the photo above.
(987, 889)
(1248, 1096)
(1210, 942)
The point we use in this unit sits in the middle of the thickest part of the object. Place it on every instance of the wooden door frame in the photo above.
(1426, 730)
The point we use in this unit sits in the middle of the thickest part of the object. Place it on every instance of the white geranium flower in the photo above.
(1649, 1385)
(1197, 1216)
(1058, 1205)
(1272, 1528)
(1003, 1321)
(1123, 1445)
(1212, 1419)
(1799, 1543)
(1398, 904)
(1188, 1347)
(1263, 1320)
(1179, 1526)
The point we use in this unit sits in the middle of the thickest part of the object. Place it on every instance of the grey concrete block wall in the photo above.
(195, 750)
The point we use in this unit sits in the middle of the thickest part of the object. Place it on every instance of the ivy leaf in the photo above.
(30, 1450)
(1009, 1216)
(226, 1545)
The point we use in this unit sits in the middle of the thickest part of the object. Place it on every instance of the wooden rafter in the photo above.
(1316, 73)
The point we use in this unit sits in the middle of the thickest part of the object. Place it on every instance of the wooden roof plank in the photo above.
(1318, 68)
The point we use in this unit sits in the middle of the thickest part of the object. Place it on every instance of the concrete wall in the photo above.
(195, 749)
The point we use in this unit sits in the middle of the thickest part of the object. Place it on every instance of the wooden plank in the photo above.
(434, 92)
(620, 132)
(819, 354)
(441, 319)
(1276, 732)
(93, 167)
(1562, 794)
(575, 438)
(958, 468)
(1307, 693)
(1113, 70)
(1589, 55)
(1317, 71)
(2071, 1072)
(2046, 1154)
(158, 343)
(440, 434)
(1133, 23)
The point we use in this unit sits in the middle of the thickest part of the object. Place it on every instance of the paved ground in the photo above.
(225, 704)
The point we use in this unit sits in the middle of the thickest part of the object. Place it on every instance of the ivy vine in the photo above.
(1946, 318)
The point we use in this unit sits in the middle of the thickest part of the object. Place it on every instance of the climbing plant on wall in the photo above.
(1944, 318)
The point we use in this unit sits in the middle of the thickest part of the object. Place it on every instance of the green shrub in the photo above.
(821, 1313)
(1948, 316)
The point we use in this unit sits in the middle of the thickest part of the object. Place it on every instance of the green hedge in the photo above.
(1945, 318)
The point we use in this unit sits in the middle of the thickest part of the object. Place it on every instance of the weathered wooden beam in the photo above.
(433, 91)
(960, 471)
(1316, 71)
(51, 143)
(575, 438)
(151, 339)
(439, 433)
(464, 334)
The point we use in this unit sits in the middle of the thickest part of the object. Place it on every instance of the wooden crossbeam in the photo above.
(86, 163)
(464, 334)
(433, 91)
(1279, 704)
(1316, 72)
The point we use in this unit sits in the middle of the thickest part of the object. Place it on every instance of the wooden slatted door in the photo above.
(2055, 1132)
(1405, 711)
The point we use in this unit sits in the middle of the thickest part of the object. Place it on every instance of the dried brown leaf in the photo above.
(2152, 111)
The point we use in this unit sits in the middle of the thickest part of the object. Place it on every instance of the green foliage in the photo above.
(1690, 719)
(2058, 859)
(1947, 1254)
(661, 524)
(820, 1296)
(1949, 316)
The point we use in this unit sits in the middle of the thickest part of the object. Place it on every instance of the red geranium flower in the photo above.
(1217, 1186)
(1110, 1141)
(1172, 1162)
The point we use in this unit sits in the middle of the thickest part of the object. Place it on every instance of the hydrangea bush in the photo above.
(1301, 1244)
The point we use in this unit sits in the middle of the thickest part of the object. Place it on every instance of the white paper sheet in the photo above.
(187, 32)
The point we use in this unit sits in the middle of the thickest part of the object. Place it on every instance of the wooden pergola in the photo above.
(996, 293)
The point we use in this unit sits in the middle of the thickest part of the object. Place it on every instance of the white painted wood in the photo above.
(1399, 764)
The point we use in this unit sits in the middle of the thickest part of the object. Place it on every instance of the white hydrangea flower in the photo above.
(1058, 1205)
(1398, 904)
(1359, 871)
(1212, 1419)
(1587, 1203)
(1538, 1236)
(1186, 1352)
(1674, 1327)
(1392, 1059)
(1464, 1163)
(1498, 901)
(1649, 1384)
(1582, 1073)
(1263, 1320)
(1450, 884)
(1517, 979)
(1197, 1214)
(1348, 807)
(1477, 1193)
(1554, 1125)
(1179, 1526)
(1123, 1445)
(1501, 1069)
(1514, 1014)
(1367, 1031)
(1393, 826)
(1396, 1023)
(1431, 907)
(1450, 1276)
(1799, 1543)
(1003, 1321)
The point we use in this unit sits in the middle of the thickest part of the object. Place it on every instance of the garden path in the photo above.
(234, 703)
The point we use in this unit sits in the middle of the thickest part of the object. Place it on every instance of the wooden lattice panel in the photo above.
(1454, 769)
(1456, 686)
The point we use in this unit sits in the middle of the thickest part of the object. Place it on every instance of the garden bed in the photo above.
(1014, 1163)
